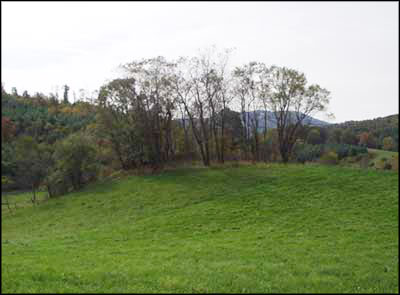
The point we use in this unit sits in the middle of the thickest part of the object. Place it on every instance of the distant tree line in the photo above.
(163, 112)
(379, 133)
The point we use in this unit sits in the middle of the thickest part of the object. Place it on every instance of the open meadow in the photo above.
(253, 228)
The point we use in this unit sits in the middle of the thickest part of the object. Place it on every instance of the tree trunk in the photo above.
(222, 135)
(264, 152)
(34, 195)
(217, 147)
(205, 136)
(257, 146)
(265, 125)
(203, 156)
(284, 151)
(207, 150)
(284, 155)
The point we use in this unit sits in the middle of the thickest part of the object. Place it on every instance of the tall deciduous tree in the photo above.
(202, 86)
(120, 108)
(292, 101)
(153, 82)
(140, 109)
(251, 90)
(191, 85)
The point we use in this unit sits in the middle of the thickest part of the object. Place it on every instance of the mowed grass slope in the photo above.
(261, 228)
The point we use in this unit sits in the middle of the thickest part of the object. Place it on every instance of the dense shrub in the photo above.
(314, 137)
(308, 152)
(330, 158)
(345, 150)
(57, 184)
(75, 165)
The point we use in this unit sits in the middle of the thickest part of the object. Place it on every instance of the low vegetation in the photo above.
(255, 228)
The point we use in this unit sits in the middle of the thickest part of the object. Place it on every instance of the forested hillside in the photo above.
(37, 121)
(378, 133)
(43, 117)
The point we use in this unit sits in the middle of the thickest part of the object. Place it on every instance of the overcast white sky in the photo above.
(352, 49)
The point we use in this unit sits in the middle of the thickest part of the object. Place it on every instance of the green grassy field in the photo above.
(256, 228)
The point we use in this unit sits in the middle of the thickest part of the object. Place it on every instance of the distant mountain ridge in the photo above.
(271, 120)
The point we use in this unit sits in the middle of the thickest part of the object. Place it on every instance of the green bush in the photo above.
(307, 152)
(345, 150)
(330, 158)
(57, 184)
(75, 165)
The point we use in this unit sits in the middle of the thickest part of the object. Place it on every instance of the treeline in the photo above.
(217, 110)
(160, 113)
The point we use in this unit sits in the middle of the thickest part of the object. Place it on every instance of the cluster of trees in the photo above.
(159, 112)
(217, 108)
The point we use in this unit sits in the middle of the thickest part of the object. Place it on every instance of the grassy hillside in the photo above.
(258, 228)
